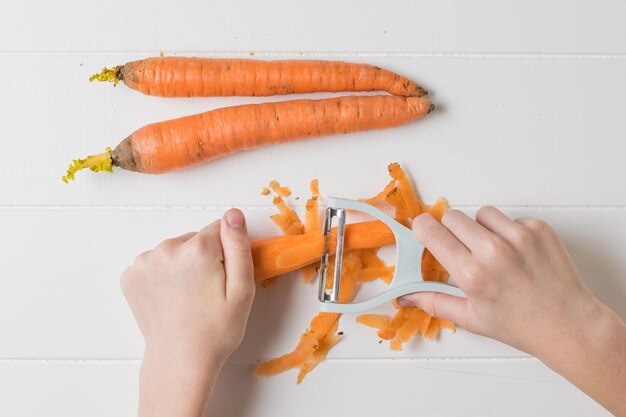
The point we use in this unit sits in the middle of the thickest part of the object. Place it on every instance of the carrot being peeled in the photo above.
(279, 255)
(205, 77)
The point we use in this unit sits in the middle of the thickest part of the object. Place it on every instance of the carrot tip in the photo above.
(96, 163)
(111, 75)
(431, 108)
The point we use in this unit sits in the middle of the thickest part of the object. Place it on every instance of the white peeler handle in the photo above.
(408, 272)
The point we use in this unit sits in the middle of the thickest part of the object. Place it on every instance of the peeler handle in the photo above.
(408, 275)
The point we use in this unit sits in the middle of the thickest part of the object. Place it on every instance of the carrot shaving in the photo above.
(319, 334)
(287, 220)
(281, 191)
(376, 321)
(395, 199)
(264, 191)
(311, 225)
(416, 322)
(413, 202)
(380, 197)
(320, 353)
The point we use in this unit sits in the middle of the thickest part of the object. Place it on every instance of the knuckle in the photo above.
(484, 211)
(522, 237)
(142, 258)
(493, 247)
(539, 226)
(474, 275)
(168, 246)
(197, 247)
(452, 213)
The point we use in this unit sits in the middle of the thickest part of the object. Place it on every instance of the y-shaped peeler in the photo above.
(408, 273)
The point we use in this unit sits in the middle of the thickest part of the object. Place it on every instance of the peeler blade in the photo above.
(331, 295)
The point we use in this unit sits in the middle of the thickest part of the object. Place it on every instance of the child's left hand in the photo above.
(191, 297)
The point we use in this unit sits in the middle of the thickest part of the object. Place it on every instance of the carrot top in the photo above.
(96, 163)
(111, 75)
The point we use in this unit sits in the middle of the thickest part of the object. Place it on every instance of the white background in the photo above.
(530, 118)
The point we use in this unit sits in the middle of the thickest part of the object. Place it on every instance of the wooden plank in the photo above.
(364, 388)
(60, 295)
(449, 26)
(507, 132)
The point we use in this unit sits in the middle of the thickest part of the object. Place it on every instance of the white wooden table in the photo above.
(531, 98)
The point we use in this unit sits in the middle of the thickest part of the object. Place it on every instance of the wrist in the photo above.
(576, 334)
(176, 384)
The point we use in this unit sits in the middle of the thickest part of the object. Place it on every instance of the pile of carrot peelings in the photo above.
(358, 268)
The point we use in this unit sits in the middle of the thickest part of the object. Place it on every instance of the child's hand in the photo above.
(191, 297)
(523, 289)
(521, 285)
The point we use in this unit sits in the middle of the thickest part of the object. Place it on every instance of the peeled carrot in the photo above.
(204, 77)
(278, 255)
(187, 141)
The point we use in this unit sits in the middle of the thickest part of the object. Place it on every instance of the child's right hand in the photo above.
(523, 289)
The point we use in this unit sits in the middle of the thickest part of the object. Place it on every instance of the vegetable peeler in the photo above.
(408, 272)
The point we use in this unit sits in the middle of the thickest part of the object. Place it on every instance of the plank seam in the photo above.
(270, 207)
(365, 359)
(317, 54)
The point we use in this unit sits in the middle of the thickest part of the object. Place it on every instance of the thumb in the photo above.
(438, 304)
(238, 265)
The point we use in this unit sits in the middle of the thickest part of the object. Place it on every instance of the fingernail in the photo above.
(404, 302)
(235, 219)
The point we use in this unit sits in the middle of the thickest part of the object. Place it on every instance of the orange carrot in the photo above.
(279, 255)
(188, 141)
(204, 77)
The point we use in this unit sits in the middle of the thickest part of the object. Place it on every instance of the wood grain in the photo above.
(450, 26)
(515, 388)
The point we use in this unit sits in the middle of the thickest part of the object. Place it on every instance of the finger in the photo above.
(208, 240)
(438, 304)
(448, 250)
(494, 220)
(240, 283)
(469, 232)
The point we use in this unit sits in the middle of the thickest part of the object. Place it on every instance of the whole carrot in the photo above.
(187, 141)
(204, 77)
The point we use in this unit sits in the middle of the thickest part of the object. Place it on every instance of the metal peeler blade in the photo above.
(408, 271)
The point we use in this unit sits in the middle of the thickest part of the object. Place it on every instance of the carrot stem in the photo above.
(96, 163)
(111, 75)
